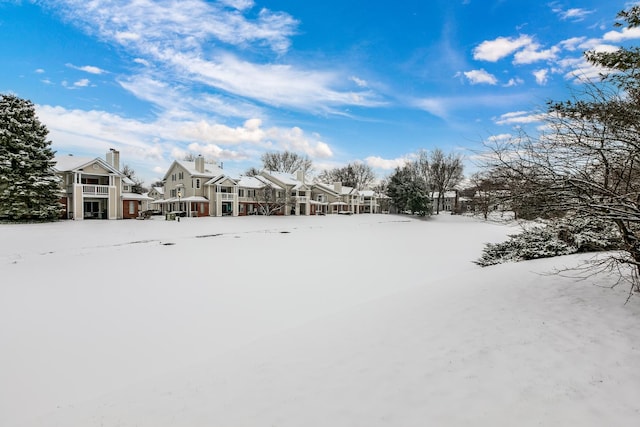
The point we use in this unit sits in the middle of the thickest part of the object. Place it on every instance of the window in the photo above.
(241, 192)
(173, 177)
(132, 207)
(201, 208)
(180, 175)
(174, 193)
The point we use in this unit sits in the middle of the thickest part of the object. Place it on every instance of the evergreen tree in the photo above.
(28, 184)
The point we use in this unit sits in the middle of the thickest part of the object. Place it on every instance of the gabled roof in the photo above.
(220, 178)
(75, 163)
(210, 170)
(159, 190)
(326, 187)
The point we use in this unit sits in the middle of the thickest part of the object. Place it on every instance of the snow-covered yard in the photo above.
(368, 320)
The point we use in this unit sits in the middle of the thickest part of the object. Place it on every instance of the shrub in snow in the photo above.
(563, 237)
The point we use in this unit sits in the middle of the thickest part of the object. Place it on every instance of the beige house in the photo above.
(184, 187)
(91, 188)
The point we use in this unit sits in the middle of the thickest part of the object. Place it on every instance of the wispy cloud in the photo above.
(176, 37)
(518, 118)
(572, 14)
(88, 69)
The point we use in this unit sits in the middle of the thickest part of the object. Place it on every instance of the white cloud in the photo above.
(88, 69)
(39, 71)
(514, 82)
(386, 164)
(480, 77)
(294, 139)
(542, 76)
(573, 43)
(238, 4)
(494, 50)
(215, 152)
(82, 83)
(250, 132)
(518, 117)
(625, 34)
(531, 54)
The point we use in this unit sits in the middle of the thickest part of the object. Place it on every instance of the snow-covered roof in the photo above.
(326, 187)
(283, 177)
(194, 199)
(128, 180)
(210, 170)
(256, 182)
(74, 163)
(135, 196)
(367, 193)
(159, 190)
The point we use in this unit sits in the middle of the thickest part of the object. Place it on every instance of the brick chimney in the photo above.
(113, 158)
(200, 163)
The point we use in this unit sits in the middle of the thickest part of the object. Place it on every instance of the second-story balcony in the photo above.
(95, 190)
(226, 196)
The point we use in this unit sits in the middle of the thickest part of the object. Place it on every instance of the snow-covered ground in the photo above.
(368, 320)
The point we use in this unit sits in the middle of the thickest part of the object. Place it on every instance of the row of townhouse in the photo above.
(198, 188)
(93, 188)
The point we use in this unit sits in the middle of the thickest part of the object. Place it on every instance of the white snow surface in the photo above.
(364, 320)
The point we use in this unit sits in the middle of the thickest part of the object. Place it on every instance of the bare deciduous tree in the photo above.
(356, 175)
(286, 161)
(445, 172)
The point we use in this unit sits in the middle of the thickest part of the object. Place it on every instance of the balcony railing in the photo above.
(95, 190)
(225, 196)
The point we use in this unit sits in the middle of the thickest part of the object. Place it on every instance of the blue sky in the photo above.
(339, 81)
